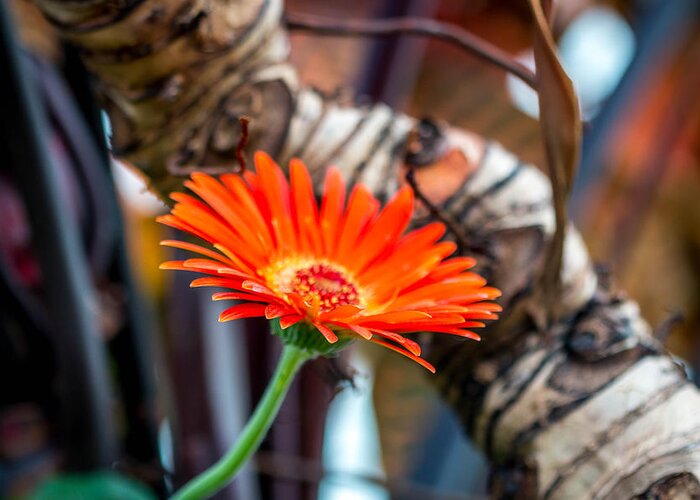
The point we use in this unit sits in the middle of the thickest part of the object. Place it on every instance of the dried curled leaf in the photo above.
(560, 122)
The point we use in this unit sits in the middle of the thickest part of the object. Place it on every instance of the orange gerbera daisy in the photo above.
(348, 270)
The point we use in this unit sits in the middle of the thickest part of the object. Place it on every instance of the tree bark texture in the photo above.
(593, 407)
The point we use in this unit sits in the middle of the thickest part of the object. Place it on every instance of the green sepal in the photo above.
(306, 336)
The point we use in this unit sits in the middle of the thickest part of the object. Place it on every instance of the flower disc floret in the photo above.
(316, 282)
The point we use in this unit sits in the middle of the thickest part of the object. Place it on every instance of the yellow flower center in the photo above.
(324, 283)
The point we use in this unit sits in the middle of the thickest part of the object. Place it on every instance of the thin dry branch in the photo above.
(436, 213)
(413, 26)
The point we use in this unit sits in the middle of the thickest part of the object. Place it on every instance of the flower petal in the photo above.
(361, 331)
(183, 245)
(273, 311)
(409, 344)
(241, 191)
(239, 296)
(406, 353)
(339, 313)
(361, 209)
(276, 192)
(326, 332)
(306, 211)
(221, 201)
(242, 311)
(332, 206)
(395, 317)
(385, 230)
(287, 321)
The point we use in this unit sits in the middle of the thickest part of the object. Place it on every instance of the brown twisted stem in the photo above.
(449, 33)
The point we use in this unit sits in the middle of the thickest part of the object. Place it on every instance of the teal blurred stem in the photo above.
(221, 473)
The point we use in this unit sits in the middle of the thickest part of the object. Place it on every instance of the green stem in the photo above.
(222, 472)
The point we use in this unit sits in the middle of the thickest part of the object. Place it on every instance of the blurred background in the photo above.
(179, 385)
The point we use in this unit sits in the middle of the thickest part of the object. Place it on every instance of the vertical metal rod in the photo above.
(87, 430)
(132, 346)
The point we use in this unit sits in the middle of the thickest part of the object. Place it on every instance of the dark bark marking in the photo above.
(592, 370)
(215, 159)
(498, 413)
(301, 148)
(118, 13)
(511, 259)
(148, 139)
(348, 139)
(427, 145)
(383, 134)
(131, 53)
(611, 433)
(398, 150)
(577, 398)
(465, 206)
(681, 486)
(687, 447)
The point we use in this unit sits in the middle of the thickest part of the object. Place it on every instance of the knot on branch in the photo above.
(604, 329)
(678, 486)
(426, 144)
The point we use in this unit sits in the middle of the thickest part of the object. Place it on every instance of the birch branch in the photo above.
(594, 409)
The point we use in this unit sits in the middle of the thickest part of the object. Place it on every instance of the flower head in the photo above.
(347, 269)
